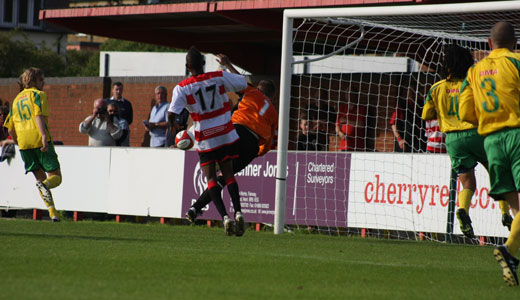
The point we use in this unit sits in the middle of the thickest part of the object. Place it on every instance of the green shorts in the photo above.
(465, 149)
(503, 151)
(35, 159)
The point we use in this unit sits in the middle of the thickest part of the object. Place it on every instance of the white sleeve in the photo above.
(234, 82)
(178, 101)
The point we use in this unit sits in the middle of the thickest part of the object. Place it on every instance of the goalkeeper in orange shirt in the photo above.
(463, 143)
(27, 125)
(489, 97)
(255, 120)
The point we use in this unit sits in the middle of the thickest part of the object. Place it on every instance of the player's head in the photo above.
(194, 60)
(502, 36)
(32, 77)
(457, 61)
(267, 87)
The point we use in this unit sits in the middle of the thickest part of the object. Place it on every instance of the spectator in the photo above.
(125, 108)
(310, 137)
(101, 129)
(351, 127)
(407, 126)
(4, 134)
(113, 112)
(158, 122)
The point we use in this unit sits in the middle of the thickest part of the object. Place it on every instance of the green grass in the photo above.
(106, 260)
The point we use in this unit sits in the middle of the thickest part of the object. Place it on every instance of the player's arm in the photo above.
(40, 122)
(223, 60)
(176, 107)
(234, 82)
(467, 110)
(429, 111)
(13, 135)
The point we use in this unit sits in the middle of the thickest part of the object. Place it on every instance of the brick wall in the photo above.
(71, 101)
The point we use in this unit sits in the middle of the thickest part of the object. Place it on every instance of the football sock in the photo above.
(232, 186)
(50, 206)
(52, 181)
(465, 199)
(513, 241)
(504, 207)
(214, 192)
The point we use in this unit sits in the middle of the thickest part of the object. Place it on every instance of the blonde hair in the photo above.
(29, 77)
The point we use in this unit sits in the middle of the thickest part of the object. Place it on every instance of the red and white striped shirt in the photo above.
(436, 143)
(204, 96)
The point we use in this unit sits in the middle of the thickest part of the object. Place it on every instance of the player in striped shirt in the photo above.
(490, 98)
(255, 120)
(28, 126)
(204, 96)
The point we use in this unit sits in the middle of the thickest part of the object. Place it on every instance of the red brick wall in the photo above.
(71, 101)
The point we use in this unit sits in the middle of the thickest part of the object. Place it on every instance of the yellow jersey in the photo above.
(28, 104)
(490, 94)
(442, 103)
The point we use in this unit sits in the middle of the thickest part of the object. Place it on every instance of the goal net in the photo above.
(353, 85)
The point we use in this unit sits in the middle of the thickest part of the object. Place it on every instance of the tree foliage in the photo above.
(18, 53)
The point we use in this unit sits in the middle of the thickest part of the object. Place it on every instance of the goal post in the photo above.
(354, 68)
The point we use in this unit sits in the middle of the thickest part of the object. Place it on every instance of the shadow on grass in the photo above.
(78, 237)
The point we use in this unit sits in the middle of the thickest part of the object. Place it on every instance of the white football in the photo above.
(184, 140)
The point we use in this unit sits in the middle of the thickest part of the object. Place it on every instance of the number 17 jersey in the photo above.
(205, 98)
(490, 94)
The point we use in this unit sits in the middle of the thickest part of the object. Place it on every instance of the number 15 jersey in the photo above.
(28, 104)
(490, 95)
(205, 98)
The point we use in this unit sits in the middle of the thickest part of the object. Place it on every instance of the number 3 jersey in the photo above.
(28, 104)
(442, 104)
(490, 94)
(204, 96)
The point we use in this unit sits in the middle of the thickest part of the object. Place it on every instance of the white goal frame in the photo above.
(287, 64)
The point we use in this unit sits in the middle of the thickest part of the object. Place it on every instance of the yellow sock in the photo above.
(513, 241)
(52, 210)
(504, 207)
(465, 199)
(52, 181)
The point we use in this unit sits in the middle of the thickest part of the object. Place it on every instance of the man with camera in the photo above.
(102, 130)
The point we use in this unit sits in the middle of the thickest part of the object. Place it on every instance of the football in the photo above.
(184, 140)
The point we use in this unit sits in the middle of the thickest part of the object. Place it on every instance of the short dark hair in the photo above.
(503, 34)
(194, 58)
(267, 87)
(457, 61)
(118, 83)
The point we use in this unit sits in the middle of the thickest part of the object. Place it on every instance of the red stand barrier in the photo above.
(37, 214)
(363, 232)
(78, 216)
(258, 227)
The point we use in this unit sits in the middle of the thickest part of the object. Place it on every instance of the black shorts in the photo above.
(247, 148)
(221, 154)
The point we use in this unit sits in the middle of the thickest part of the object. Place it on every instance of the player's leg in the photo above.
(504, 174)
(468, 183)
(504, 207)
(463, 161)
(46, 194)
(227, 172)
(214, 191)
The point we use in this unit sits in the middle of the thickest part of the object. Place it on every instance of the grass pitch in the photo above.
(106, 260)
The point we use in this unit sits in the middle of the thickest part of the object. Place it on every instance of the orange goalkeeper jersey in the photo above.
(256, 112)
